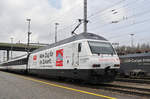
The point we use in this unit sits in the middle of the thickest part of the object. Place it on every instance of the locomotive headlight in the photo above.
(117, 65)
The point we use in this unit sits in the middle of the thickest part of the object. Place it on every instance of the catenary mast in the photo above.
(85, 16)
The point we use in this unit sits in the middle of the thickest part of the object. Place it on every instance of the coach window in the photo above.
(79, 47)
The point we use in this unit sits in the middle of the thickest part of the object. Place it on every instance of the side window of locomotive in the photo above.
(79, 47)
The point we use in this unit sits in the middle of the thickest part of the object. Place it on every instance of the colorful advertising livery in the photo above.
(59, 57)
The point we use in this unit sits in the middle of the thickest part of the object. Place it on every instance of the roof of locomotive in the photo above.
(73, 38)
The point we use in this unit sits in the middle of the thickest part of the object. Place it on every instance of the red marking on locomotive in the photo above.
(59, 57)
(34, 57)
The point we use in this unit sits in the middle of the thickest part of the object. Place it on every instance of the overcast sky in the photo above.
(132, 16)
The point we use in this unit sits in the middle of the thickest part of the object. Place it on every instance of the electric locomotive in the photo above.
(85, 56)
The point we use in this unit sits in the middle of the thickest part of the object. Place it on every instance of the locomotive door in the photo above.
(75, 55)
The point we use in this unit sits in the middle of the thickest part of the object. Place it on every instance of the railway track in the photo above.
(127, 88)
(121, 87)
(142, 81)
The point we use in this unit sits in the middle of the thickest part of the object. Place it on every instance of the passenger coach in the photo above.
(135, 65)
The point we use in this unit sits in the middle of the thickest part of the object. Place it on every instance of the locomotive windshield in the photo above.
(101, 48)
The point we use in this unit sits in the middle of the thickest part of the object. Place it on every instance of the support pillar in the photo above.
(7, 55)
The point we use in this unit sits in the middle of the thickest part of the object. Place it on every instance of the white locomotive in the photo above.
(86, 56)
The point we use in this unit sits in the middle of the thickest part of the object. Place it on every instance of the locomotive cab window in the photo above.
(101, 48)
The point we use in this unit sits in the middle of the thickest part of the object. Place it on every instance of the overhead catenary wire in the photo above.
(141, 39)
(114, 9)
(136, 15)
(133, 24)
(121, 20)
(127, 18)
(125, 33)
(98, 12)
(124, 18)
(140, 22)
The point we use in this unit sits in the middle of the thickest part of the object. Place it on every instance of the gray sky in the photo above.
(132, 17)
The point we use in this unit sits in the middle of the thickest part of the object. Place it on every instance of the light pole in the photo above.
(29, 22)
(56, 24)
(132, 40)
(11, 46)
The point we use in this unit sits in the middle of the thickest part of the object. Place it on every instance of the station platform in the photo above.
(15, 86)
